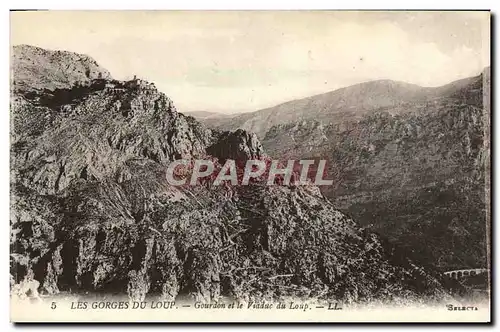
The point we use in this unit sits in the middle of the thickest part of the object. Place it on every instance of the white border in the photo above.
(189, 4)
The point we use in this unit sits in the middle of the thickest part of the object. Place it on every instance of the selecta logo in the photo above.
(184, 172)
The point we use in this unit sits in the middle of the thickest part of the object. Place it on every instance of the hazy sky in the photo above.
(245, 61)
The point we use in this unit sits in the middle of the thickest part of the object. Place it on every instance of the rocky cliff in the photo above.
(92, 212)
(415, 174)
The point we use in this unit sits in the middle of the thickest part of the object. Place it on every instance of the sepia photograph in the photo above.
(250, 166)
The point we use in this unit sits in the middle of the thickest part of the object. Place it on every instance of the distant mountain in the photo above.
(409, 162)
(414, 171)
(345, 104)
(207, 115)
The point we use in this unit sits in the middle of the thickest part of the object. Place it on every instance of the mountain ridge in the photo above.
(416, 175)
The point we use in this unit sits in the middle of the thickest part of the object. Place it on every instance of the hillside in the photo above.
(34, 68)
(415, 174)
(91, 210)
(207, 115)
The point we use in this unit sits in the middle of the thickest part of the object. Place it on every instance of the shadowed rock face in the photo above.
(92, 211)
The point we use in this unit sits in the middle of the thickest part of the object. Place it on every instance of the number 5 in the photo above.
(53, 305)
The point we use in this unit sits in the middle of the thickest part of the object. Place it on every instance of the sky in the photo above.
(240, 61)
